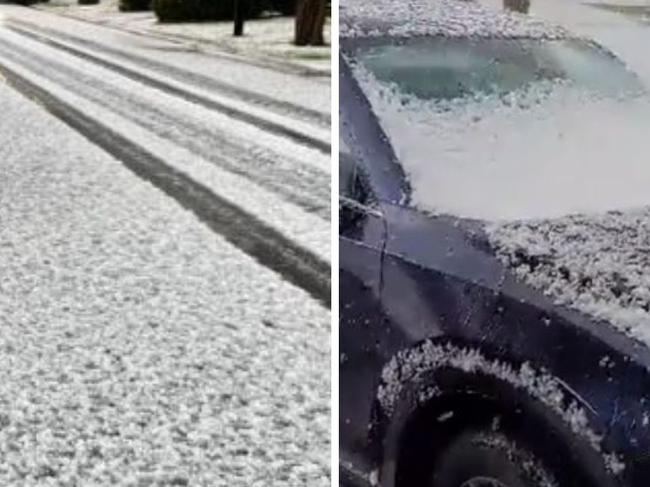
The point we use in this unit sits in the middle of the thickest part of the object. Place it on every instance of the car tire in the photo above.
(488, 459)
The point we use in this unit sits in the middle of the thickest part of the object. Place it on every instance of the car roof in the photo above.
(448, 18)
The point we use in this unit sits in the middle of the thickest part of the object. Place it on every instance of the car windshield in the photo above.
(497, 129)
(447, 68)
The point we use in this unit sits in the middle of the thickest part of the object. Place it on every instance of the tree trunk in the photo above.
(240, 8)
(310, 22)
(522, 6)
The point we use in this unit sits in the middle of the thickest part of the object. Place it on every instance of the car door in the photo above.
(361, 240)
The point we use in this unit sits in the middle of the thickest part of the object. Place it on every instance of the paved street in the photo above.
(164, 263)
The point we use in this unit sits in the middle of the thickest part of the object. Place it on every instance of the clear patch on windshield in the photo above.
(439, 68)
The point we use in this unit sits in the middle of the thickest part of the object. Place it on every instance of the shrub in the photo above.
(134, 5)
(201, 10)
(285, 7)
(88, 2)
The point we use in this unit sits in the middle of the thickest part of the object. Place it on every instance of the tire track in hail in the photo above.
(297, 183)
(235, 113)
(281, 107)
(245, 231)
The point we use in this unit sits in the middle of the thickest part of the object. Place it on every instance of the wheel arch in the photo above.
(441, 386)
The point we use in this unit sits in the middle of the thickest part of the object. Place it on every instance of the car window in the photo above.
(353, 181)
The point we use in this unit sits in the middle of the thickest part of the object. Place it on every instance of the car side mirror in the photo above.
(348, 211)
(347, 174)
(354, 192)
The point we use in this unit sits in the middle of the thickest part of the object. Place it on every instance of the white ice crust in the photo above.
(450, 18)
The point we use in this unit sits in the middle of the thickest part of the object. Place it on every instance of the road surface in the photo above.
(164, 263)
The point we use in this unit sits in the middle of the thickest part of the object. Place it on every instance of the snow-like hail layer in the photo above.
(138, 348)
(546, 151)
(218, 65)
(451, 18)
(141, 113)
(408, 366)
(598, 264)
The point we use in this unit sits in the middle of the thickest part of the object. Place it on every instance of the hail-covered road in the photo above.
(164, 263)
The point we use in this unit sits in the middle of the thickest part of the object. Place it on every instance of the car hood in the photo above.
(450, 245)
(598, 265)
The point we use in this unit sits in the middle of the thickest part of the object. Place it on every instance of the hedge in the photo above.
(134, 5)
(203, 10)
(285, 7)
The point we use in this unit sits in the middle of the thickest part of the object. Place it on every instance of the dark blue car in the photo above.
(455, 369)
